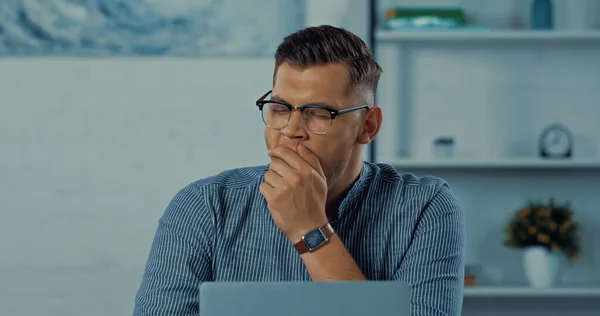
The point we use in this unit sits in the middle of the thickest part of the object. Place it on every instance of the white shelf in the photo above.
(516, 163)
(486, 35)
(523, 291)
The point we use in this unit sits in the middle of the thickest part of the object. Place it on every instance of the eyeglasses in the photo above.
(317, 119)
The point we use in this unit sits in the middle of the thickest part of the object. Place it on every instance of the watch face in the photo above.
(314, 239)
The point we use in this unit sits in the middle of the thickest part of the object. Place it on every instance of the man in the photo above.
(361, 221)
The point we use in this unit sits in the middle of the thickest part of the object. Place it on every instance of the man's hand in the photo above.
(295, 188)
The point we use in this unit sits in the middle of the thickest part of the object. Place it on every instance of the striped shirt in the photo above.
(396, 226)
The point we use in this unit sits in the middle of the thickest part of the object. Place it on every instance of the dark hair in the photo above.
(321, 45)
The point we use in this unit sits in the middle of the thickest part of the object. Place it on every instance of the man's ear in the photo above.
(371, 125)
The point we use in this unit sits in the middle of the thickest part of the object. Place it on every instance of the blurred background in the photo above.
(109, 107)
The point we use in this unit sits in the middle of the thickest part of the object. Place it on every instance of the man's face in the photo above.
(323, 85)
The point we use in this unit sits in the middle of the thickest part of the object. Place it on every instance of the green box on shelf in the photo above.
(450, 17)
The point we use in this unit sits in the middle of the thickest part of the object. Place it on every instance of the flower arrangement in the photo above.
(545, 224)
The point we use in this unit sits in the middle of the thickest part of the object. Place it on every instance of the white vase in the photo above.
(541, 266)
(330, 12)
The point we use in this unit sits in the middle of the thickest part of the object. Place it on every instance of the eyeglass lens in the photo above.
(277, 116)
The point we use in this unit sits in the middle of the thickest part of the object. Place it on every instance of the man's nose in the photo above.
(294, 127)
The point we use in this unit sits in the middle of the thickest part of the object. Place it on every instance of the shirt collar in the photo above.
(355, 194)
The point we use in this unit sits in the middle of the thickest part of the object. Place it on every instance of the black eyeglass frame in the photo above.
(333, 112)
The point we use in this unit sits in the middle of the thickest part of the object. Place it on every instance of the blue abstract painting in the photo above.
(194, 28)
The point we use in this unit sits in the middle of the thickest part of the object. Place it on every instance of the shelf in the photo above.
(516, 163)
(485, 35)
(523, 291)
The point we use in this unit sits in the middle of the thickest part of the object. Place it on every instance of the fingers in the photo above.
(289, 156)
(272, 178)
(266, 190)
(290, 168)
(281, 168)
(310, 158)
(297, 160)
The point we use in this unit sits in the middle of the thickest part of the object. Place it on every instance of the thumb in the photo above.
(311, 158)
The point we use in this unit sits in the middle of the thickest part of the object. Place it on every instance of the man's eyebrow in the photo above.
(278, 99)
(323, 104)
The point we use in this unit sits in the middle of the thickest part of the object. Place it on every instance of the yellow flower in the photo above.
(524, 212)
(565, 226)
(543, 238)
(531, 230)
(543, 212)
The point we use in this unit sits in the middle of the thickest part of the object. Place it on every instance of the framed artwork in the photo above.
(184, 28)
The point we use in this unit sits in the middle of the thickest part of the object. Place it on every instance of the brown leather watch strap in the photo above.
(327, 231)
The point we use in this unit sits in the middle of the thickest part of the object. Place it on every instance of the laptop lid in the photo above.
(382, 298)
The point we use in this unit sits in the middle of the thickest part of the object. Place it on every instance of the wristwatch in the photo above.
(315, 239)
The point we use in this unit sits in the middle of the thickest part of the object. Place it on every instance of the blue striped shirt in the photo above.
(396, 226)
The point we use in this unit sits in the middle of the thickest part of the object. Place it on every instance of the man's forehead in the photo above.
(328, 81)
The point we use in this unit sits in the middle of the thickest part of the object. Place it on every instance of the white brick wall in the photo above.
(91, 153)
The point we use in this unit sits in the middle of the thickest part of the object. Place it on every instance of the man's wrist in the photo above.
(300, 232)
(314, 238)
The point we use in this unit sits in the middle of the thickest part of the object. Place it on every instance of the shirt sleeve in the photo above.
(434, 263)
(179, 259)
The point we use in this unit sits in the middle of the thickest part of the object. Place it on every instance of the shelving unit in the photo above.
(523, 291)
(494, 91)
(486, 35)
(515, 163)
(476, 77)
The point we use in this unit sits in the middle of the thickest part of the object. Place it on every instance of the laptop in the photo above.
(382, 298)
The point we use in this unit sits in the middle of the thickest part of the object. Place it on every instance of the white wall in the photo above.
(91, 153)
(92, 150)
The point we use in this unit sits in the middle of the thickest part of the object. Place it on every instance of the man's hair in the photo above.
(325, 44)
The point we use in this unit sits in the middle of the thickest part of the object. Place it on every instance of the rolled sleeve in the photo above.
(179, 259)
(434, 262)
